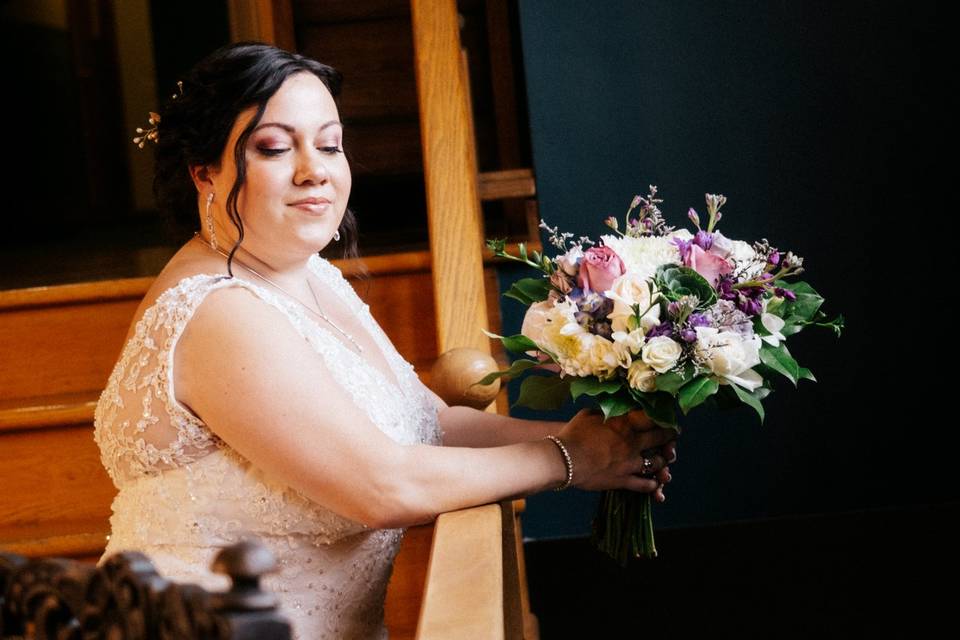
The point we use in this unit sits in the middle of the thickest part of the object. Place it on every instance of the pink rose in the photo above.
(709, 265)
(599, 267)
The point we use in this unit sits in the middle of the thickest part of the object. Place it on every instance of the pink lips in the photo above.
(313, 205)
(311, 201)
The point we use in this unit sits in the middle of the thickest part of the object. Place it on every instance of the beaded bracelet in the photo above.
(567, 461)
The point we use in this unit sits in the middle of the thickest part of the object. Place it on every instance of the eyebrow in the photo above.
(292, 129)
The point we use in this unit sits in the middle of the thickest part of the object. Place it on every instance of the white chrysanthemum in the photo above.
(642, 256)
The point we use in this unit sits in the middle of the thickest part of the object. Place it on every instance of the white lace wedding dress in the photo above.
(184, 493)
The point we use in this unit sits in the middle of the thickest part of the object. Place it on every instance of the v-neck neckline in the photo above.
(363, 316)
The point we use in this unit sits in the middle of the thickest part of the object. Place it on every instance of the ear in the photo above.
(203, 176)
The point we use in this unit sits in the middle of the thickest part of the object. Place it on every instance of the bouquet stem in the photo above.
(623, 526)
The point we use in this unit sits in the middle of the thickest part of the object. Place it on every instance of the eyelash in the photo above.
(277, 152)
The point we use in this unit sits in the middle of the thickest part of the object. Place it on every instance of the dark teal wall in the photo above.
(822, 124)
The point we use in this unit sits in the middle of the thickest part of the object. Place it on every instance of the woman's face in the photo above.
(294, 153)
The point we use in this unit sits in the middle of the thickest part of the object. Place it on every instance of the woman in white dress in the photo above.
(257, 396)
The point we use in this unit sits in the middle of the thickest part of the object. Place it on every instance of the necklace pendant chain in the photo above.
(318, 311)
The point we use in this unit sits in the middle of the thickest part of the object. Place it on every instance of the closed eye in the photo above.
(277, 152)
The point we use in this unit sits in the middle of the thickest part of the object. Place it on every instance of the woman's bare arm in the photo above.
(256, 383)
(469, 427)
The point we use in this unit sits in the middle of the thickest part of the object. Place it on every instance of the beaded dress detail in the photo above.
(184, 493)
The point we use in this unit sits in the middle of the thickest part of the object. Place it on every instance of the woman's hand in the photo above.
(609, 455)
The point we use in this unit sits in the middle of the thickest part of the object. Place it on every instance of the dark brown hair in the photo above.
(196, 124)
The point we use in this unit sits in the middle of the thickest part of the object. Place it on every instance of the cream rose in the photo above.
(642, 377)
(661, 353)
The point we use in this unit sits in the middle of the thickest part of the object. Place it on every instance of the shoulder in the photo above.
(233, 338)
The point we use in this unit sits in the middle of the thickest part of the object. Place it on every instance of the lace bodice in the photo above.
(184, 493)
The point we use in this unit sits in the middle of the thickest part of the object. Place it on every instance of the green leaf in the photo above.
(614, 405)
(529, 290)
(517, 344)
(748, 398)
(801, 310)
(673, 380)
(544, 393)
(780, 360)
(518, 367)
(592, 386)
(659, 406)
(806, 373)
(696, 391)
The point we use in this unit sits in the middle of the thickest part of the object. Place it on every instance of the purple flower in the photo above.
(665, 328)
(785, 293)
(698, 320)
(684, 247)
(774, 258)
(725, 289)
(703, 239)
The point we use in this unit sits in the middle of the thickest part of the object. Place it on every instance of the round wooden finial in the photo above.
(454, 373)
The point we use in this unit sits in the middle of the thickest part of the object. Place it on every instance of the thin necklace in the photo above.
(318, 311)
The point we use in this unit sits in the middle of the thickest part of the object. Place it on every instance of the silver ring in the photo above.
(647, 465)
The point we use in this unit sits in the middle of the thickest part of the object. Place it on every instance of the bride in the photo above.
(255, 394)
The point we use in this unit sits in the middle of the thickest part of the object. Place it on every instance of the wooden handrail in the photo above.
(474, 588)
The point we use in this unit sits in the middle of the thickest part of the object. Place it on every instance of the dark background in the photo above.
(827, 127)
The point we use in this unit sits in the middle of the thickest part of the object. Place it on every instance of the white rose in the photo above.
(661, 353)
(628, 290)
(729, 356)
(773, 324)
(642, 377)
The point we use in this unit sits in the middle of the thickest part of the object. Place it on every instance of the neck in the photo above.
(287, 269)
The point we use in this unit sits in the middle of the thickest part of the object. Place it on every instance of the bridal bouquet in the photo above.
(657, 319)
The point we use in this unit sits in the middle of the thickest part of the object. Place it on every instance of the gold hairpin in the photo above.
(151, 133)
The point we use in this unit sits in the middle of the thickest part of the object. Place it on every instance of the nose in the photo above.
(311, 167)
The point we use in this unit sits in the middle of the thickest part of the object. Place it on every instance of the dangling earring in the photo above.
(213, 234)
(336, 235)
